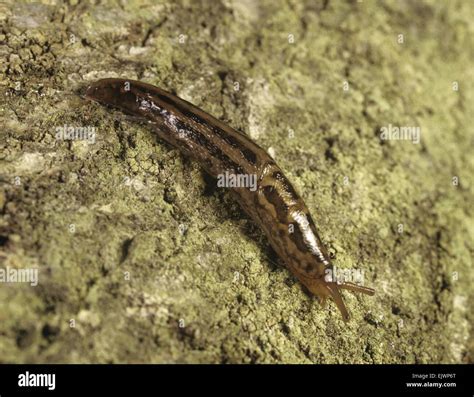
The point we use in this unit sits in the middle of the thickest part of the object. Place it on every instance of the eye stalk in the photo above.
(324, 289)
(336, 296)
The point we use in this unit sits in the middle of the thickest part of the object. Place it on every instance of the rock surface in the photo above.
(141, 259)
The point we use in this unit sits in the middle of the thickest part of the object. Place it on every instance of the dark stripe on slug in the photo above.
(247, 153)
(273, 197)
(189, 133)
(232, 141)
(199, 139)
(286, 185)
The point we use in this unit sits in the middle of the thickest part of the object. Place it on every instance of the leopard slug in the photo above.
(274, 205)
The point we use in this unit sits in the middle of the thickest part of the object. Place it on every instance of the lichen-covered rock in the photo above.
(141, 259)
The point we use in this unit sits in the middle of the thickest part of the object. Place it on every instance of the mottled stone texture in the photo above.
(142, 259)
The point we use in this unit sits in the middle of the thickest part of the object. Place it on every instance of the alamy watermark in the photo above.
(237, 180)
(400, 133)
(341, 276)
(26, 275)
(37, 380)
(75, 133)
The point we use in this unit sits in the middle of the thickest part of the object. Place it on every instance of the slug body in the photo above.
(274, 205)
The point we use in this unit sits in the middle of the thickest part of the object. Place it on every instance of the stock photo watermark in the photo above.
(341, 276)
(237, 180)
(400, 133)
(75, 133)
(26, 275)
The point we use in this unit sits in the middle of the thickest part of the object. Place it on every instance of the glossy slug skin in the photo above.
(274, 205)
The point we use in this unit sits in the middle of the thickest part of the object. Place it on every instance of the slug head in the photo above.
(324, 288)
